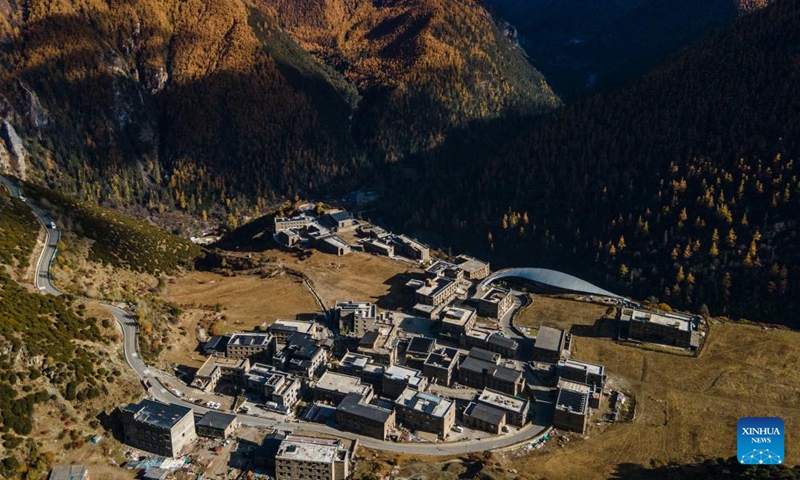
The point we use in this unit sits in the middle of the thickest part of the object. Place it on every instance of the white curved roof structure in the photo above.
(550, 278)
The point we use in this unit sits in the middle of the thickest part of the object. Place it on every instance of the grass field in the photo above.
(558, 313)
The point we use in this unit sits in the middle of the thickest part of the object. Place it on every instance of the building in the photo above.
(356, 318)
(298, 222)
(341, 221)
(333, 387)
(552, 345)
(479, 416)
(288, 238)
(353, 414)
(495, 303)
(374, 231)
(572, 406)
(418, 350)
(380, 345)
(249, 345)
(481, 369)
(158, 428)
(475, 337)
(332, 244)
(70, 472)
(301, 356)
(397, 378)
(668, 328)
(456, 321)
(503, 345)
(281, 329)
(436, 291)
(361, 366)
(516, 409)
(376, 246)
(406, 247)
(216, 345)
(312, 458)
(216, 370)
(441, 268)
(216, 425)
(426, 412)
(441, 366)
(473, 268)
(280, 388)
(583, 372)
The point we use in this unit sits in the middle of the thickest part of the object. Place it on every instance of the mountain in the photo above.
(682, 186)
(211, 106)
(582, 46)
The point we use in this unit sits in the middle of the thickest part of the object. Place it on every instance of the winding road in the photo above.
(154, 380)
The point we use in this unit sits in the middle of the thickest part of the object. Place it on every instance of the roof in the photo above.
(421, 345)
(341, 216)
(217, 420)
(667, 319)
(353, 404)
(339, 382)
(548, 338)
(485, 355)
(505, 342)
(573, 396)
(369, 339)
(157, 414)
(309, 449)
(217, 343)
(436, 285)
(70, 472)
(591, 368)
(424, 402)
(469, 264)
(457, 315)
(249, 339)
(550, 278)
(442, 357)
(291, 326)
(486, 413)
(501, 401)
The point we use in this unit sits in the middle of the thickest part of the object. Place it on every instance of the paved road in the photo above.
(154, 380)
(52, 235)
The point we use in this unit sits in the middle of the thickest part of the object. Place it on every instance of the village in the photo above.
(296, 398)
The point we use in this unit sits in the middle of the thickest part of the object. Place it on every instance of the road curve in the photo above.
(153, 380)
(41, 278)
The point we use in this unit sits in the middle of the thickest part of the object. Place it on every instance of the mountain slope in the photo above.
(210, 106)
(581, 46)
(642, 189)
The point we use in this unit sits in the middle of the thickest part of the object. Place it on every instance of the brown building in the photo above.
(473, 268)
(479, 416)
(495, 303)
(353, 414)
(572, 406)
(159, 428)
(332, 387)
(456, 321)
(436, 291)
(481, 369)
(216, 425)
(441, 366)
(424, 411)
(516, 409)
(667, 328)
(552, 345)
(406, 247)
(249, 345)
(311, 458)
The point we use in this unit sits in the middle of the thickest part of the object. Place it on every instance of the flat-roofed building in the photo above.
(250, 344)
(456, 321)
(475, 337)
(668, 328)
(216, 425)
(356, 318)
(380, 345)
(288, 238)
(441, 268)
(505, 346)
(412, 249)
(353, 414)
(279, 387)
(551, 346)
(341, 221)
(479, 371)
(159, 428)
(397, 378)
(312, 458)
(436, 291)
(495, 303)
(424, 411)
(572, 406)
(516, 409)
(473, 268)
(374, 231)
(441, 366)
(479, 416)
(297, 222)
(332, 387)
(376, 246)
(216, 370)
(216, 345)
(70, 472)
(332, 244)
(418, 350)
(583, 372)
(362, 366)
(301, 356)
(281, 329)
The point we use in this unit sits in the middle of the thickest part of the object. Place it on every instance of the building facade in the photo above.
(158, 428)
(424, 411)
(311, 458)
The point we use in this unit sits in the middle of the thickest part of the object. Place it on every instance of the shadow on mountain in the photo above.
(713, 469)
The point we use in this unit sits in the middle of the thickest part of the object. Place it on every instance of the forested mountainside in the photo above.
(583, 46)
(683, 186)
(203, 105)
(423, 66)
